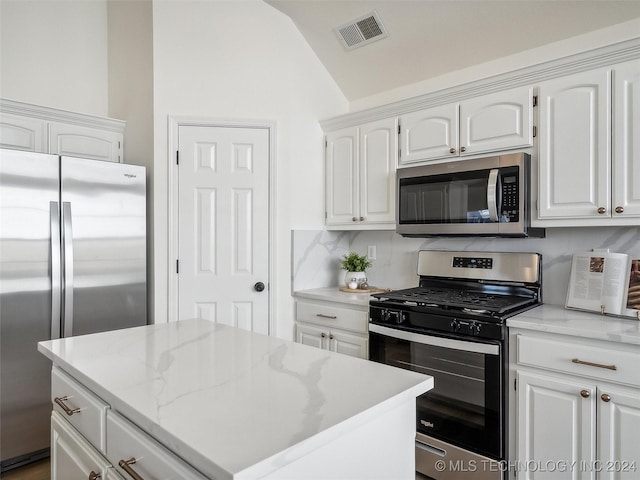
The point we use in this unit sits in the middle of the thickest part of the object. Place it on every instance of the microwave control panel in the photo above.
(510, 211)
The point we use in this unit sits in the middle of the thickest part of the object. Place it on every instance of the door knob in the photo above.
(259, 286)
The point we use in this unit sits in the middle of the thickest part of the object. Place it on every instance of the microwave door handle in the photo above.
(492, 194)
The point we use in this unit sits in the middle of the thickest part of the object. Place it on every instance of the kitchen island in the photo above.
(232, 404)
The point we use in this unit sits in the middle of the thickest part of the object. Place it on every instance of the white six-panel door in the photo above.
(223, 225)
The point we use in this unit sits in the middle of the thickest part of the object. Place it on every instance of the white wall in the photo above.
(130, 26)
(243, 60)
(54, 53)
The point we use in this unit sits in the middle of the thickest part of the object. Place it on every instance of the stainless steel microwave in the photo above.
(478, 197)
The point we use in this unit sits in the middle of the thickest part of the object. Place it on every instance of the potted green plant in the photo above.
(356, 266)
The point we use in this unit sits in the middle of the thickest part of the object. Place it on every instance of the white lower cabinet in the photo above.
(331, 326)
(91, 441)
(133, 452)
(72, 456)
(578, 408)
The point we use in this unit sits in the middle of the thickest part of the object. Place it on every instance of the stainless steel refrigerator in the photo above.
(72, 262)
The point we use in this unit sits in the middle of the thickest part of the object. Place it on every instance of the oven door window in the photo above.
(464, 406)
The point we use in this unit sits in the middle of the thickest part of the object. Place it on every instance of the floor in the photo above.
(40, 470)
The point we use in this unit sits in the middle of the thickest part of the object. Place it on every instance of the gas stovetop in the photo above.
(492, 303)
(465, 293)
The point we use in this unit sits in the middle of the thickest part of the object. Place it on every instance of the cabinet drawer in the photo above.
(616, 364)
(126, 442)
(332, 316)
(71, 455)
(85, 411)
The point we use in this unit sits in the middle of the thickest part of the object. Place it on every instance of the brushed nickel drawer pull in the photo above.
(322, 315)
(585, 393)
(94, 476)
(605, 397)
(60, 401)
(591, 364)
(125, 465)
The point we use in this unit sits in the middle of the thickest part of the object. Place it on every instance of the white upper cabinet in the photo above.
(575, 150)
(85, 142)
(341, 182)
(626, 139)
(429, 134)
(46, 130)
(489, 123)
(589, 158)
(360, 176)
(23, 133)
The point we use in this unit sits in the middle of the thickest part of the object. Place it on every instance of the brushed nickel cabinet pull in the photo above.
(619, 209)
(94, 476)
(605, 397)
(332, 317)
(591, 364)
(452, 150)
(601, 210)
(584, 393)
(463, 149)
(60, 401)
(331, 336)
(126, 466)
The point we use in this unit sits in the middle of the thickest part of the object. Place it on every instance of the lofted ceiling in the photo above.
(429, 38)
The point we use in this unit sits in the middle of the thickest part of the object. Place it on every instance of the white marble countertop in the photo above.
(333, 294)
(232, 403)
(557, 319)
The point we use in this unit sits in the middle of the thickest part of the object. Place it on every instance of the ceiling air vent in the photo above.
(361, 31)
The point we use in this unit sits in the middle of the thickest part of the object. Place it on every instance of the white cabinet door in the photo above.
(429, 134)
(575, 147)
(556, 423)
(360, 177)
(310, 335)
(23, 133)
(341, 177)
(348, 344)
(618, 427)
(498, 121)
(378, 147)
(626, 140)
(85, 142)
(72, 457)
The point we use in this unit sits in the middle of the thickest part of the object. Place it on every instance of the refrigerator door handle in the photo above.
(67, 240)
(56, 266)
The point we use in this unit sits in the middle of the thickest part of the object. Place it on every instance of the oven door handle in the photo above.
(426, 339)
(492, 194)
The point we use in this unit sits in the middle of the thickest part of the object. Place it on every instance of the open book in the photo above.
(605, 282)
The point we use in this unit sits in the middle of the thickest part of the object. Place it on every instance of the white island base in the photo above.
(195, 399)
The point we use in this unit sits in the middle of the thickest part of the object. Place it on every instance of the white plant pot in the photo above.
(359, 276)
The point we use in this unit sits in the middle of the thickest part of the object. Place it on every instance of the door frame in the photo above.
(174, 122)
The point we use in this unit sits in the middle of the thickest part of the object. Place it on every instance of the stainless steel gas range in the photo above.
(453, 327)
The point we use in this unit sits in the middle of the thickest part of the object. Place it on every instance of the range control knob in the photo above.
(455, 326)
(474, 328)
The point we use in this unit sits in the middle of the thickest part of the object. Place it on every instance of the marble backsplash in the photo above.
(316, 254)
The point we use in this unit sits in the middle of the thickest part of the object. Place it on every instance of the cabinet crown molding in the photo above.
(57, 115)
(579, 62)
